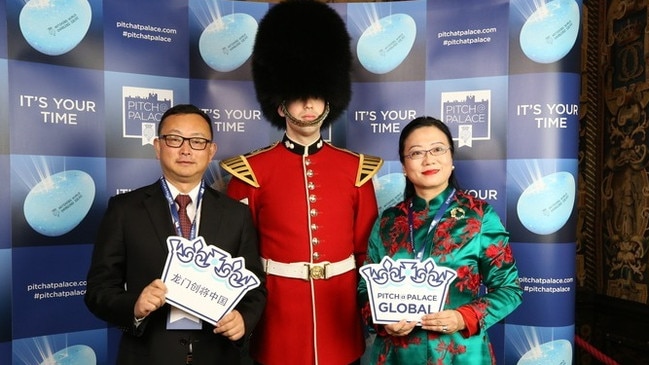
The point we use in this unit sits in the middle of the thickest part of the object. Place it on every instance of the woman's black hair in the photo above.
(417, 123)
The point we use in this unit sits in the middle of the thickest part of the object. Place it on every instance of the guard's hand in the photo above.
(231, 326)
(152, 297)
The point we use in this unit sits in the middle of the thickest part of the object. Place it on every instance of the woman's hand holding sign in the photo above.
(447, 321)
(401, 328)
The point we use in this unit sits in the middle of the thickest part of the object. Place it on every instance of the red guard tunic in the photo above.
(311, 204)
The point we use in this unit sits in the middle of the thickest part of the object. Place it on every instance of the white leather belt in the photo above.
(307, 270)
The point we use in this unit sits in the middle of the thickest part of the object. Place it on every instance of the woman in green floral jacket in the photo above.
(467, 236)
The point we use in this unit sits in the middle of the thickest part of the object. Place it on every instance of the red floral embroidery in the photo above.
(394, 343)
(509, 255)
(366, 313)
(447, 240)
(499, 253)
(445, 247)
(400, 225)
(404, 341)
(467, 280)
(480, 308)
(451, 348)
(475, 205)
(419, 218)
(395, 241)
(381, 359)
(473, 226)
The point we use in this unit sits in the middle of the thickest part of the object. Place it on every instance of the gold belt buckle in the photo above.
(317, 272)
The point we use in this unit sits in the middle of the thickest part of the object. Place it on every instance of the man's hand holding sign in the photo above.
(206, 282)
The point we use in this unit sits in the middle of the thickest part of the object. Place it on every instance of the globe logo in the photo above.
(55, 27)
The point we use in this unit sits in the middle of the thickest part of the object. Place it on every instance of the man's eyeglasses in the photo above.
(175, 141)
(435, 151)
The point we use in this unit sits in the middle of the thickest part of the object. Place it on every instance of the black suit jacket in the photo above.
(130, 252)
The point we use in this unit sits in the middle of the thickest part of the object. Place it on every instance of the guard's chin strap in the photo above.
(301, 123)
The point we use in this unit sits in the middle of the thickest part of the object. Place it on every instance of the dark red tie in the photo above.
(185, 223)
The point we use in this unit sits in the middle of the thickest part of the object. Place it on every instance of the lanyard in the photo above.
(438, 216)
(174, 211)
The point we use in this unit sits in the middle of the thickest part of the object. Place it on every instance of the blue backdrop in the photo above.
(84, 82)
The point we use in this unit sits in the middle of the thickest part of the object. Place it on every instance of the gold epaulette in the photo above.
(239, 167)
(368, 166)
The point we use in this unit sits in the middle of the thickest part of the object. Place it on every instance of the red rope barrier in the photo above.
(595, 352)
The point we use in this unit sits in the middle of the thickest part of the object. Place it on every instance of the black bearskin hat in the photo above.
(302, 49)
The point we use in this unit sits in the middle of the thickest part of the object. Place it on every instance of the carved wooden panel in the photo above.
(624, 185)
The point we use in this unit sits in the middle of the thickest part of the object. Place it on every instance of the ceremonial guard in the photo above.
(314, 204)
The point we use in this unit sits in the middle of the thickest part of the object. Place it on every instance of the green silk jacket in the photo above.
(470, 239)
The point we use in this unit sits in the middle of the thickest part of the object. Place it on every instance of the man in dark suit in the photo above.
(124, 286)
